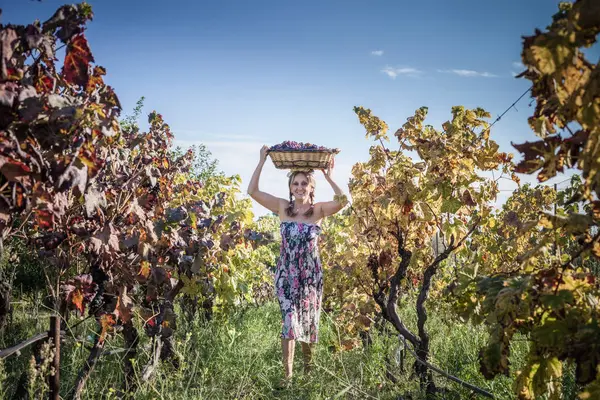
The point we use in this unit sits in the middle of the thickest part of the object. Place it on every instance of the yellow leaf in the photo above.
(144, 269)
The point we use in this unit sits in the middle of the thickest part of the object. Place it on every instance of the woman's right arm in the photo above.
(264, 199)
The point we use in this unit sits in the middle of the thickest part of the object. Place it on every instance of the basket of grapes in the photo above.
(301, 156)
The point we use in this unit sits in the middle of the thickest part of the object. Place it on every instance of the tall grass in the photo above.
(240, 358)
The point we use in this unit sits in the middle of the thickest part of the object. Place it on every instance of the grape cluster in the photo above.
(290, 145)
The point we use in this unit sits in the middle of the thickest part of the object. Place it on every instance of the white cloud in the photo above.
(467, 73)
(407, 71)
(377, 53)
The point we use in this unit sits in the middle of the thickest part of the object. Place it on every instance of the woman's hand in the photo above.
(329, 172)
(263, 153)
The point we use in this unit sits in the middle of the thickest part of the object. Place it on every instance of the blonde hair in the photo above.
(311, 181)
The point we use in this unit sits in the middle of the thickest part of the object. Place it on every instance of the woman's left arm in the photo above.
(339, 199)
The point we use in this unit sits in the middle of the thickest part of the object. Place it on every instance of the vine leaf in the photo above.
(123, 308)
(77, 61)
(107, 322)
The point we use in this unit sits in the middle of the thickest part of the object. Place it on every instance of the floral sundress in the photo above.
(299, 281)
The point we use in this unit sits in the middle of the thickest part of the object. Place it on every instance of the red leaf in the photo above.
(96, 79)
(45, 83)
(87, 155)
(77, 61)
(107, 321)
(123, 308)
(77, 300)
(79, 291)
(44, 219)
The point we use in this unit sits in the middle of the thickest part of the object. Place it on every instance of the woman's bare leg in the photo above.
(308, 353)
(288, 346)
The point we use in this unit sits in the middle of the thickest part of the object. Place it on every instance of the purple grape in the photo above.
(290, 145)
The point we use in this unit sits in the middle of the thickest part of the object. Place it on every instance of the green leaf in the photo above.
(524, 381)
(451, 205)
(559, 300)
(547, 379)
(550, 335)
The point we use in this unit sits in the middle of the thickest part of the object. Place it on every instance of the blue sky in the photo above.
(238, 74)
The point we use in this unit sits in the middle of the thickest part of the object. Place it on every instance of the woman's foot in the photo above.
(284, 383)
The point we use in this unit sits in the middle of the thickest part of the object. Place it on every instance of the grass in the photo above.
(240, 358)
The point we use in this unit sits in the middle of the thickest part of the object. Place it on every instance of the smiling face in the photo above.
(301, 186)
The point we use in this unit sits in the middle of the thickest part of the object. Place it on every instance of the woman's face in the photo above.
(300, 187)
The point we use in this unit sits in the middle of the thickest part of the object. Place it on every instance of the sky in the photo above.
(234, 75)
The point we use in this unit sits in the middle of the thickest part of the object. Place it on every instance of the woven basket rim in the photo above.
(305, 151)
(302, 159)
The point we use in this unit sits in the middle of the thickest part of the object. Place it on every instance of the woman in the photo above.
(299, 276)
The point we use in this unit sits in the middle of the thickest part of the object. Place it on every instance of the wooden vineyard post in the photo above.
(54, 335)
(556, 249)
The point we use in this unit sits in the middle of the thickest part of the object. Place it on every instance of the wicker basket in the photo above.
(302, 159)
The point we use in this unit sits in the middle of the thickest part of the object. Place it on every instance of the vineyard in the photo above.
(131, 268)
